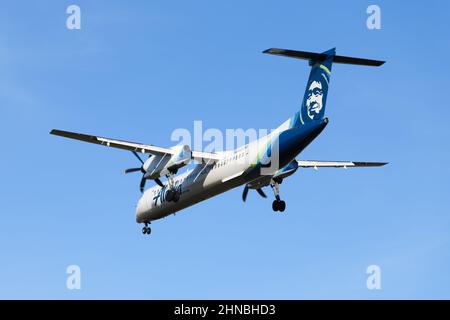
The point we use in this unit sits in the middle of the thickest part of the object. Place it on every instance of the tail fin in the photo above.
(315, 98)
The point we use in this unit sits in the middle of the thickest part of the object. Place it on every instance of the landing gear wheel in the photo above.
(281, 206)
(275, 205)
(146, 230)
(278, 205)
(170, 195)
(176, 196)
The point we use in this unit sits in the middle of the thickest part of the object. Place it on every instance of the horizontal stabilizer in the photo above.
(318, 57)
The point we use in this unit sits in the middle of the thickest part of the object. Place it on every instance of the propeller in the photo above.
(133, 170)
(245, 193)
(142, 184)
(141, 169)
(261, 192)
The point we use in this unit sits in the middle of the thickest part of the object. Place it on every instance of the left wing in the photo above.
(337, 164)
(131, 146)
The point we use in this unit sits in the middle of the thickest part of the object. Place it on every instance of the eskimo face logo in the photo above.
(314, 100)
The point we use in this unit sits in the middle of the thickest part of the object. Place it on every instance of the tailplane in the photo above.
(315, 97)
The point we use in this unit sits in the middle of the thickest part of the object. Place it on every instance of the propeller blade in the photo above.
(244, 194)
(137, 156)
(132, 170)
(261, 193)
(159, 183)
(142, 185)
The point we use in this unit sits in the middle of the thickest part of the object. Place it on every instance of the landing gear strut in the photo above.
(171, 193)
(146, 229)
(277, 204)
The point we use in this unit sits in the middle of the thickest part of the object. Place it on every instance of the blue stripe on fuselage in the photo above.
(294, 140)
(291, 142)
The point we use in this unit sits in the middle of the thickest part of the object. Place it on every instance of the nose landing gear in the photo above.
(146, 229)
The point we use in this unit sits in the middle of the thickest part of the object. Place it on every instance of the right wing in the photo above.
(337, 164)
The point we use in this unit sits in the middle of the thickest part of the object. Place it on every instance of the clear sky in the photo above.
(137, 70)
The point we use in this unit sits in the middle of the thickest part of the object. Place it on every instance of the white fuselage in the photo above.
(195, 185)
(205, 180)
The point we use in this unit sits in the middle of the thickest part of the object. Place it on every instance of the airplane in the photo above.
(258, 164)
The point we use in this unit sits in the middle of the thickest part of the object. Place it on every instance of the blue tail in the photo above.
(315, 98)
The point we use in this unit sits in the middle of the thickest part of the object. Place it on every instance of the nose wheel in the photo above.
(277, 204)
(146, 229)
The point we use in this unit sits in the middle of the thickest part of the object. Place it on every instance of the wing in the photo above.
(131, 146)
(337, 164)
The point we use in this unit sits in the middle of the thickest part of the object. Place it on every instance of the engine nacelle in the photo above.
(158, 166)
(181, 158)
(287, 170)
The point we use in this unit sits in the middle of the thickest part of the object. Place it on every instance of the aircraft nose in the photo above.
(141, 209)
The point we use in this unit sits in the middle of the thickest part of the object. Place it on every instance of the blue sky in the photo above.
(139, 70)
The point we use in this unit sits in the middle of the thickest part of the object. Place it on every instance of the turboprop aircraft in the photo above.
(258, 164)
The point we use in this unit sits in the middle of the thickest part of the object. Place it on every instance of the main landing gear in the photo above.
(277, 204)
(171, 194)
(146, 229)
